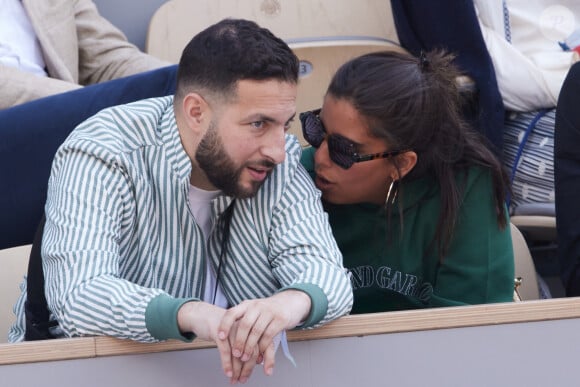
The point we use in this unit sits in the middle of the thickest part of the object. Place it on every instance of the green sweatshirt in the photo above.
(399, 270)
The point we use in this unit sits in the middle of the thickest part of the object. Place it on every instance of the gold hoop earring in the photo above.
(392, 192)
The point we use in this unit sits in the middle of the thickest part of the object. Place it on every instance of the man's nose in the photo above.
(275, 146)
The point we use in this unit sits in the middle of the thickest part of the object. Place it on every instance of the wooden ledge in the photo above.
(355, 325)
(47, 350)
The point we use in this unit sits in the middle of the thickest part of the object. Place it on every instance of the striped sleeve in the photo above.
(303, 252)
(85, 209)
(121, 250)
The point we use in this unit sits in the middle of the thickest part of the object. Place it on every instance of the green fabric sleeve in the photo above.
(307, 160)
(161, 318)
(319, 303)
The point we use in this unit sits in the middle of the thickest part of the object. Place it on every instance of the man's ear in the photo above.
(195, 111)
(405, 162)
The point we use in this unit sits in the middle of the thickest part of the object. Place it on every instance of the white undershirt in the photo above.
(200, 204)
(19, 46)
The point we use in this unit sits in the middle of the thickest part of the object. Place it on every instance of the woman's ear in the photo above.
(405, 162)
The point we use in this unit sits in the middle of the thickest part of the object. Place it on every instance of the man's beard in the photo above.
(221, 170)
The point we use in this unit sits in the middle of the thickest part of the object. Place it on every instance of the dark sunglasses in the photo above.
(341, 150)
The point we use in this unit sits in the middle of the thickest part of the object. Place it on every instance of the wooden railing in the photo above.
(355, 325)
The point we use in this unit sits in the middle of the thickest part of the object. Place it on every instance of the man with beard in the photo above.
(163, 213)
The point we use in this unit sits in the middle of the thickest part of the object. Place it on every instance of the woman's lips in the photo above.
(322, 183)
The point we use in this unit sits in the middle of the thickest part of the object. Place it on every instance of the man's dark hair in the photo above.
(233, 50)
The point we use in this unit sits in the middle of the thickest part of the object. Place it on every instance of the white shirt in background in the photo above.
(529, 63)
(19, 46)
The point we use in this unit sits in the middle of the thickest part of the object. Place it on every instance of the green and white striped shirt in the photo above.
(121, 248)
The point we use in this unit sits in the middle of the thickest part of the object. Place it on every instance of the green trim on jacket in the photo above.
(161, 318)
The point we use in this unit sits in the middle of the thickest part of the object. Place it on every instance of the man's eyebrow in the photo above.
(262, 117)
(259, 117)
(291, 118)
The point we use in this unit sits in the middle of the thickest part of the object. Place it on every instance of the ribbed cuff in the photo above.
(319, 303)
(161, 318)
